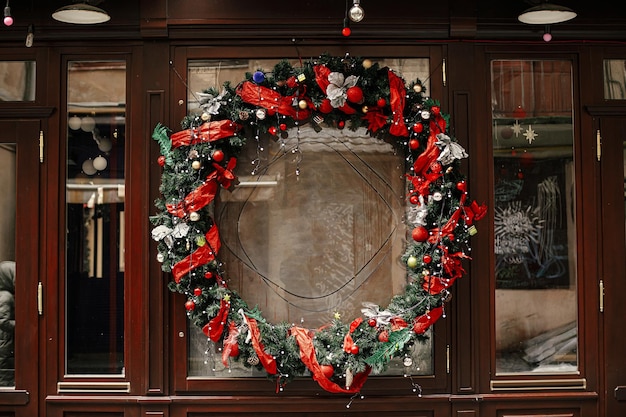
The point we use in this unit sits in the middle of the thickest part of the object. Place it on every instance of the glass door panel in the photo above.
(95, 218)
(536, 312)
(7, 264)
(334, 233)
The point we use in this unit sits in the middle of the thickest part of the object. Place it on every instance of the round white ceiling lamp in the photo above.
(546, 14)
(81, 14)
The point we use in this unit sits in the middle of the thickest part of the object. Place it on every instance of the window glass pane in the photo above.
(330, 238)
(615, 79)
(7, 264)
(534, 225)
(95, 217)
(17, 82)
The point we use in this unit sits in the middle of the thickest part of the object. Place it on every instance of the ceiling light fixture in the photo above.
(81, 14)
(546, 14)
(356, 12)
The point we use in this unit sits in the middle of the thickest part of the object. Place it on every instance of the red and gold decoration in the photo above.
(332, 92)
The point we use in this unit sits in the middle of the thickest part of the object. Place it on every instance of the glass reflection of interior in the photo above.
(614, 79)
(7, 264)
(17, 80)
(95, 217)
(534, 224)
(330, 238)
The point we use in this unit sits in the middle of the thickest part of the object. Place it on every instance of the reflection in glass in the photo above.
(7, 265)
(534, 224)
(615, 79)
(95, 217)
(17, 80)
(330, 238)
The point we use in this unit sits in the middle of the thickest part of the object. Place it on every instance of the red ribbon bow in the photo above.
(272, 100)
(207, 132)
(203, 255)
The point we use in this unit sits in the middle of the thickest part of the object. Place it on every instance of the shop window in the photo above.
(614, 79)
(94, 286)
(536, 283)
(17, 82)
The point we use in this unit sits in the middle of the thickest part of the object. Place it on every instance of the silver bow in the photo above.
(336, 90)
(210, 103)
(449, 150)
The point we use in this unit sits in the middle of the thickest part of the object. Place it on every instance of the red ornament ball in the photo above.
(461, 186)
(418, 128)
(325, 106)
(341, 124)
(190, 305)
(427, 259)
(372, 322)
(272, 130)
(381, 102)
(414, 144)
(197, 291)
(218, 155)
(414, 199)
(271, 111)
(383, 336)
(209, 275)
(354, 349)
(292, 82)
(346, 31)
(234, 351)
(282, 126)
(420, 234)
(354, 94)
(161, 160)
(328, 371)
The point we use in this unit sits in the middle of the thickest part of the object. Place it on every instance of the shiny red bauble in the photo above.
(420, 234)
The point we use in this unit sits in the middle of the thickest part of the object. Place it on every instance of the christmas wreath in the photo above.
(341, 92)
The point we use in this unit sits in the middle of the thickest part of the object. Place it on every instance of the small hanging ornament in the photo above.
(160, 257)
(161, 161)
(381, 102)
(414, 144)
(302, 104)
(272, 130)
(427, 259)
(341, 124)
(205, 117)
(196, 165)
(354, 95)
(418, 128)
(218, 155)
(411, 262)
(194, 216)
(325, 106)
(367, 64)
(417, 88)
(437, 196)
(260, 114)
(327, 370)
(419, 234)
(407, 361)
(253, 360)
(197, 292)
(258, 77)
(190, 305)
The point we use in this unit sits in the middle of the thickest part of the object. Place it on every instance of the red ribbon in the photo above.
(397, 97)
(347, 340)
(203, 255)
(452, 264)
(434, 285)
(307, 355)
(197, 199)
(423, 322)
(375, 119)
(231, 345)
(474, 212)
(397, 323)
(215, 327)
(267, 360)
(207, 132)
(272, 100)
(225, 176)
(446, 230)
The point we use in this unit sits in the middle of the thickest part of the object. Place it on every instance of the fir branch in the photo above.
(390, 349)
(161, 135)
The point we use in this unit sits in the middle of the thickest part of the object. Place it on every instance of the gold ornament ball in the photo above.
(411, 262)
(302, 104)
(194, 216)
(205, 116)
(417, 88)
(196, 165)
(364, 109)
(367, 63)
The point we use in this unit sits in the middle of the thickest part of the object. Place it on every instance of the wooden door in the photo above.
(612, 247)
(19, 220)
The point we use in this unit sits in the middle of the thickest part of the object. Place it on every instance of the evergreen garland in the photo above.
(436, 194)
